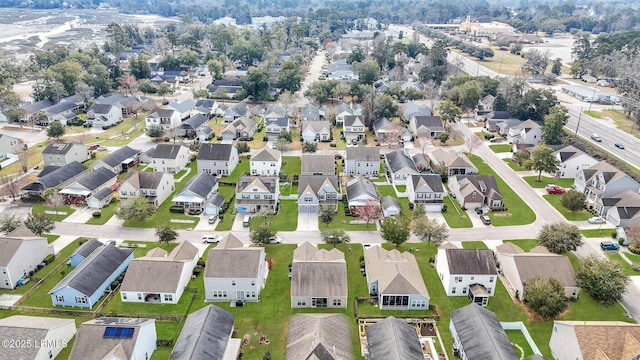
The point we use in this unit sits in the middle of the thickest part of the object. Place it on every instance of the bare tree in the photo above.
(10, 185)
(369, 211)
(54, 198)
(391, 136)
(23, 157)
(128, 84)
(537, 62)
(473, 142)
(633, 232)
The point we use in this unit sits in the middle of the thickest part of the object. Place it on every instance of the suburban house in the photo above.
(86, 284)
(185, 108)
(158, 277)
(393, 339)
(128, 104)
(400, 165)
(353, 127)
(207, 334)
(345, 109)
(31, 110)
(600, 181)
(170, 158)
(527, 132)
(217, 159)
(83, 251)
(63, 111)
(362, 161)
(20, 253)
(313, 131)
(234, 272)
(9, 145)
(519, 267)
(467, 272)
(55, 177)
(426, 126)
(360, 192)
(167, 119)
(206, 107)
(394, 278)
(572, 161)
(317, 164)
(120, 160)
(104, 115)
(586, 340)
(198, 194)
(256, 193)
(422, 161)
(61, 154)
(390, 206)
(196, 126)
(426, 189)
(455, 163)
(485, 105)
(310, 112)
(496, 117)
(472, 191)
(318, 278)
(238, 110)
(319, 336)
(266, 162)
(45, 334)
(274, 126)
(115, 338)
(155, 186)
(478, 334)
(622, 209)
(390, 133)
(410, 110)
(79, 191)
(240, 128)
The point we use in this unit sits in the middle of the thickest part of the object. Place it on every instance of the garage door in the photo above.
(313, 209)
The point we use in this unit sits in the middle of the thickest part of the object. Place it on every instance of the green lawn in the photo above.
(501, 148)
(474, 245)
(633, 257)
(512, 164)
(285, 220)
(242, 169)
(227, 221)
(628, 270)
(581, 215)
(342, 221)
(401, 188)
(40, 209)
(291, 165)
(518, 213)
(517, 338)
(595, 233)
(454, 216)
(162, 216)
(107, 212)
(387, 190)
(179, 174)
(381, 172)
(525, 244)
(544, 181)
(50, 238)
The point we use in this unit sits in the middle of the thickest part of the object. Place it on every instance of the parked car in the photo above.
(596, 137)
(555, 189)
(478, 210)
(211, 239)
(195, 211)
(596, 220)
(93, 146)
(609, 246)
(212, 219)
(275, 240)
(485, 219)
(619, 146)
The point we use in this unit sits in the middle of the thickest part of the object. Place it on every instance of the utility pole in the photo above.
(579, 117)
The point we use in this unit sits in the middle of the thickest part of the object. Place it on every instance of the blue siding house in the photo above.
(83, 252)
(84, 286)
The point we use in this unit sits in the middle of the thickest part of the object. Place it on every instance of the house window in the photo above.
(302, 302)
(268, 197)
(253, 283)
(337, 302)
(139, 296)
(491, 279)
(397, 300)
(124, 296)
(81, 300)
(253, 294)
(233, 283)
(59, 298)
(6, 282)
(457, 279)
(489, 290)
(257, 197)
(168, 297)
(453, 290)
(4, 270)
(473, 195)
(472, 277)
(246, 197)
(418, 304)
(464, 290)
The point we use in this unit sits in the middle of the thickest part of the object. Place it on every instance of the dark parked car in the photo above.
(619, 146)
(478, 210)
(485, 219)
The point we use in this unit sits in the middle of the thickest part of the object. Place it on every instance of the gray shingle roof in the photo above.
(88, 247)
(266, 154)
(321, 164)
(471, 261)
(431, 122)
(59, 148)
(316, 182)
(37, 106)
(200, 184)
(215, 152)
(204, 335)
(56, 177)
(433, 181)
(281, 122)
(389, 202)
(91, 343)
(94, 270)
(97, 178)
(194, 122)
(319, 337)
(239, 263)
(59, 108)
(350, 120)
(481, 334)
(161, 113)
(398, 160)
(393, 339)
(117, 157)
(266, 182)
(318, 273)
(101, 108)
(8, 248)
(28, 328)
(167, 151)
(144, 179)
(360, 186)
(532, 265)
(397, 273)
(363, 153)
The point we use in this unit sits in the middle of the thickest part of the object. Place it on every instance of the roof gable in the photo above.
(393, 339)
(471, 261)
(204, 335)
(210, 151)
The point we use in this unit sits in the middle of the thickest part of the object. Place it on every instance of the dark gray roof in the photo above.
(47, 170)
(59, 148)
(94, 270)
(204, 335)
(217, 200)
(87, 248)
(316, 182)
(200, 184)
(359, 186)
(167, 151)
(112, 99)
(430, 122)
(101, 108)
(389, 201)
(500, 115)
(421, 161)
(393, 339)
(59, 108)
(215, 151)
(208, 103)
(349, 120)
(97, 178)
(117, 157)
(56, 177)
(433, 181)
(194, 122)
(161, 113)
(381, 123)
(310, 112)
(103, 194)
(398, 160)
(363, 153)
(481, 334)
(144, 179)
(37, 106)
(282, 122)
(471, 261)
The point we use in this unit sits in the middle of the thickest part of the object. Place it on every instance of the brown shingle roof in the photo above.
(606, 339)
(396, 272)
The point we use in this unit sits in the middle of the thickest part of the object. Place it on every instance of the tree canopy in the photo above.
(560, 237)
(601, 278)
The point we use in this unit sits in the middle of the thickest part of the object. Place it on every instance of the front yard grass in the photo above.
(455, 217)
(518, 213)
(581, 215)
(285, 220)
(106, 213)
(474, 245)
(50, 238)
(501, 148)
(544, 181)
(63, 211)
(227, 221)
(596, 233)
(34, 157)
(342, 221)
(525, 244)
(628, 270)
(291, 165)
(512, 164)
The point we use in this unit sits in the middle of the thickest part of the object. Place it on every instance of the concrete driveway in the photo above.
(15, 208)
(237, 222)
(80, 216)
(307, 222)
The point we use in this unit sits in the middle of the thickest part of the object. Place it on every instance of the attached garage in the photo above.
(310, 209)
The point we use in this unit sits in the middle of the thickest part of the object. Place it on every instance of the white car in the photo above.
(211, 239)
(275, 240)
(596, 220)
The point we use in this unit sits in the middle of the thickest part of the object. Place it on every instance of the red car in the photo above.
(93, 146)
(555, 189)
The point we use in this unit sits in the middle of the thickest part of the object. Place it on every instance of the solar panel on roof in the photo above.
(118, 332)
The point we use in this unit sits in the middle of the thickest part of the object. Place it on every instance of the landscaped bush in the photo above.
(176, 209)
(49, 259)
(634, 249)
(201, 262)
(635, 266)
(96, 214)
(197, 270)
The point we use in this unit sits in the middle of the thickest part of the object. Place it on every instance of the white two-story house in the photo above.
(315, 191)
(170, 158)
(217, 159)
(267, 162)
(155, 186)
(363, 161)
(572, 161)
(426, 189)
(603, 180)
(527, 132)
(353, 127)
(167, 119)
(256, 193)
(21, 251)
